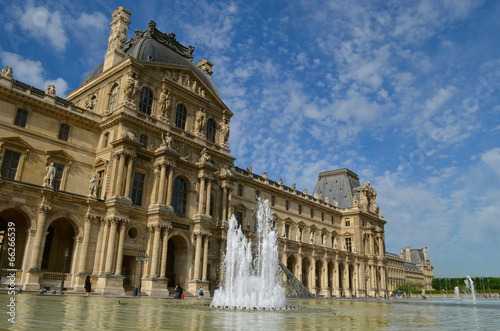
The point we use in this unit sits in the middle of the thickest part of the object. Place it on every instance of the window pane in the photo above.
(112, 99)
(146, 101)
(179, 197)
(21, 118)
(211, 130)
(137, 188)
(57, 179)
(9, 164)
(180, 117)
(63, 132)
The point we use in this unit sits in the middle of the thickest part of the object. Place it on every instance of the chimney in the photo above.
(425, 254)
(408, 254)
(117, 37)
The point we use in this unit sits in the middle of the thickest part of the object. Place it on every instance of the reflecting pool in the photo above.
(71, 312)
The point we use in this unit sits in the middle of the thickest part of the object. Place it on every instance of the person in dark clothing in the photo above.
(178, 292)
(88, 285)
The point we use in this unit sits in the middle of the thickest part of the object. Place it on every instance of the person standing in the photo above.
(423, 294)
(201, 293)
(88, 285)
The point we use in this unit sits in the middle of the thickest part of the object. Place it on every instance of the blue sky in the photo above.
(404, 93)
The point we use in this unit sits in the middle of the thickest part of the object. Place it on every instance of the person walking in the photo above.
(423, 294)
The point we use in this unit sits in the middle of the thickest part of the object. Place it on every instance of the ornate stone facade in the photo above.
(137, 159)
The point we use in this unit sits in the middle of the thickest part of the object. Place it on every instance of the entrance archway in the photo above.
(305, 272)
(20, 226)
(319, 274)
(291, 263)
(60, 236)
(177, 261)
(341, 278)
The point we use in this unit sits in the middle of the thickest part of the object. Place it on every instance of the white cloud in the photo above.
(31, 72)
(39, 22)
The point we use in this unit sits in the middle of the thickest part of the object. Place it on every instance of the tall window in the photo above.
(106, 139)
(146, 101)
(137, 188)
(348, 246)
(347, 222)
(63, 132)
(179, 198)
(257, 194)
(300, 209)
(58, 177)
(21, 118)
(240, 190)
(112, 98)
(99, 184)
(9, 164)
(239, 218)
(143, 139)
(272, 200)
(312, 213)
(180, 117)
(211, 130)
(287, 205)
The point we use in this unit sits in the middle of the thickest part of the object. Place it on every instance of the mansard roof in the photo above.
(338, 185)
(154, 46)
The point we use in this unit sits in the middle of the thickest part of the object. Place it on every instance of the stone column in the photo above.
(121, 241)
(85, 245)
(205, 258)
(35, 260)
(224, 203)
(313, 275)
(337, 278)
(209, 189)
(170, 184)
(128, 179)
(111, 247)
(197, 256)
(97, 256)
(299, 268)
(372, 244)
(164, 251)
(119, 173)
(202, 195)
(104, 245)
(161, 194)
(156, 247)
(154, 193)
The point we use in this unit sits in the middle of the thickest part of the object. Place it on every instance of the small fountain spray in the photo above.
(469, 285)
(251, 282)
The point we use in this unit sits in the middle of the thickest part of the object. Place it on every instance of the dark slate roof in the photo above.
(153, 46)
(338, 185)
(417, 256)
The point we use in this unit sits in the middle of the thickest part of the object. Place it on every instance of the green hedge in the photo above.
(451, 283)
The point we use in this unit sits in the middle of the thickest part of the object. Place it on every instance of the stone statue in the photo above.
(293, 186)
(201, 121)
(367, 196)
(164, 102)
(224, 132)
(304, 191)
(354, 248)
(344, 246)
(92, 186)
(335, 244)
(265, 176)
(130, 88)
(6, 72)
(249, 169)
(335, 203)
(316, 196)
(323, 239)
(311, 239)
(327, 200)
(205, 157)
(129, 135)
(50, 90)
(280, 182)
(166, 140)
(299, 234)
(90, 102)
(50, 173)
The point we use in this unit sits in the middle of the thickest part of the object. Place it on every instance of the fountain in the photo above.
(469, 285)
(251, 281)
(457, 292)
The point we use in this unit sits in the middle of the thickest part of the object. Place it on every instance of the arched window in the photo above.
(179, 197)
(180, 117)
(112, 98)
(211, 130)
(146, 101)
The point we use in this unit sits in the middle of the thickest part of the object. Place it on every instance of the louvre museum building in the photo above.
(136, 161)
